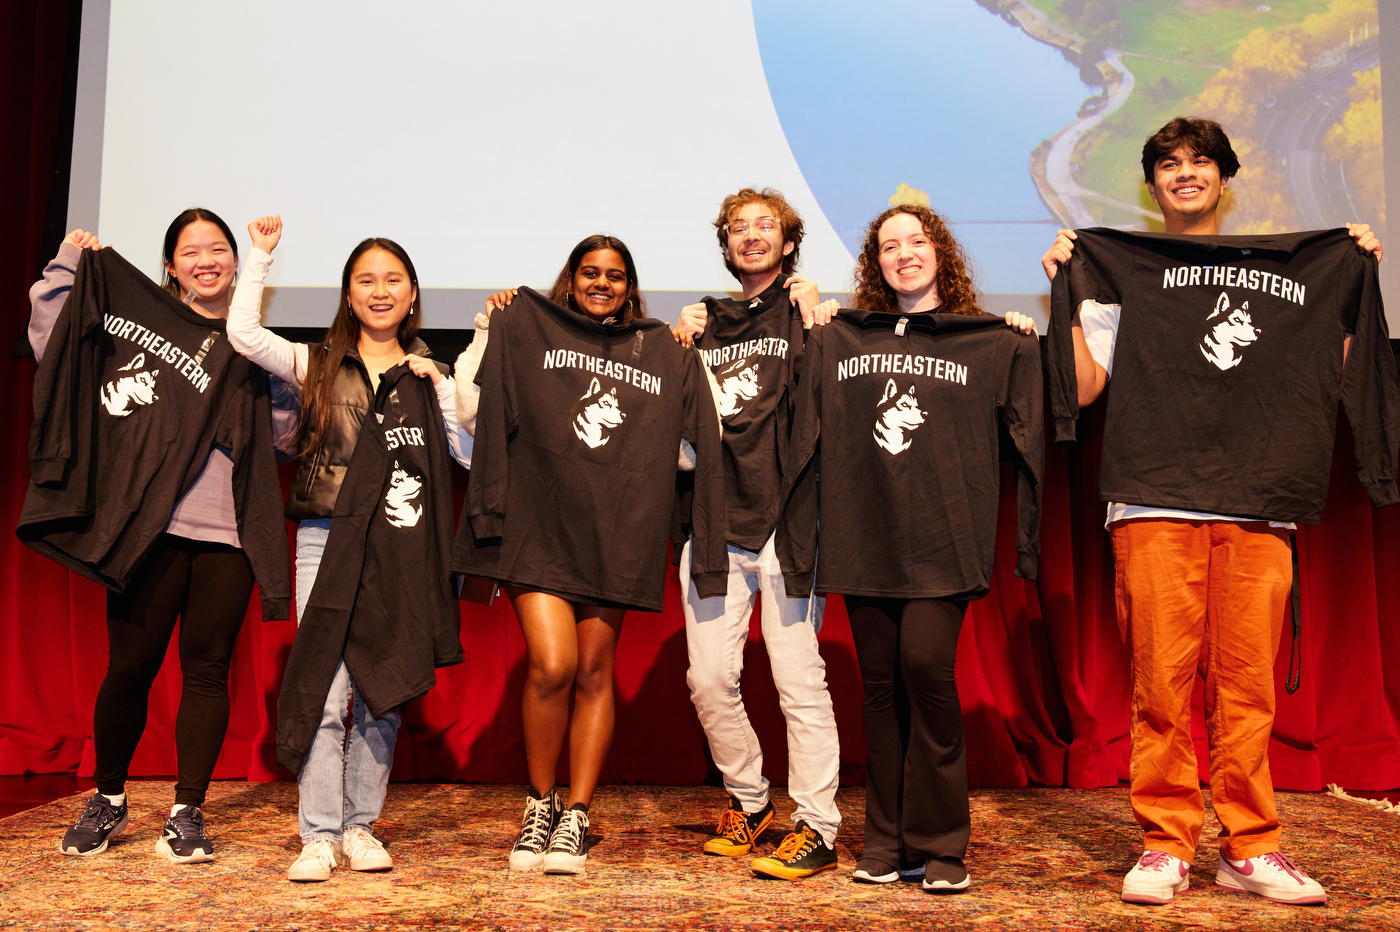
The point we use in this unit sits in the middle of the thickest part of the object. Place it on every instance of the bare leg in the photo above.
(551, 647)
(591, 730)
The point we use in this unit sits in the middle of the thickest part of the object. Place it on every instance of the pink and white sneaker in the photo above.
(1156, 878)
(1273, 876)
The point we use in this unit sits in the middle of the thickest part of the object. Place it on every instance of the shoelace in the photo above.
(1154, 861)
(321, 852)
(535, 833)
(1283, 864)
(732, 824)
(97, 814)
(189, 822)
(795, 845)
(569, 835)
(358, 844)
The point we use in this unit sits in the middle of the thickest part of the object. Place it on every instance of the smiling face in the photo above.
(909, 262)
(1187, 186)
(755, 252)
(381, 291)
(600, 287)
(204, 261)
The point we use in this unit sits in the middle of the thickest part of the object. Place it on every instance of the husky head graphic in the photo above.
(738, 383)
(896, 417)
(399, 506)
(1225, 333)
(126, 393)
(595, 414)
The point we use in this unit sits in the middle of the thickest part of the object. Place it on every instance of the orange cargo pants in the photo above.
(1207, 596)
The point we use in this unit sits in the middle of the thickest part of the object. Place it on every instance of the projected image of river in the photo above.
(942, 96)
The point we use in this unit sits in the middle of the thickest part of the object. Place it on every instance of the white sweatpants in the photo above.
(715, 631)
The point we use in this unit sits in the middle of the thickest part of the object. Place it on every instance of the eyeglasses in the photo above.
(764, 225)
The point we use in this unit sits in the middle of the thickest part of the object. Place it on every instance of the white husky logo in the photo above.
(1225, 332)
(126, 393)
(896, 418)
(398, 501)
(593, 419)
(738, 383)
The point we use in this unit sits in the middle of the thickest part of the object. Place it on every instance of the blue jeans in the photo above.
(344, 777)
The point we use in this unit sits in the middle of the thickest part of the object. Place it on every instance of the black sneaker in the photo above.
(101, 819)
(541, 816)
(568, 848)
(945, 875)
(802, 854)
(182, 841)
(738, 830)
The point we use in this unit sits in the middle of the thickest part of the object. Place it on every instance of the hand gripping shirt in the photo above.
(574, 466)
(383, 597)
(133, 393)
(1227, 366)
(752, 347)
(909, 411)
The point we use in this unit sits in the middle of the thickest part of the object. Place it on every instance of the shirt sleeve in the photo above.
(709, 555)
(458, 440)
(1370, 388)
(796, 536)
(1022, 413)
(247, 335)
(1100, 325)
(495, 419)
(466, 369)
(48, 294)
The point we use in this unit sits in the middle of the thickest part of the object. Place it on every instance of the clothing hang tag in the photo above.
(755, 303)
(380, 416)
(899, 327)
(204, 348)
(1244, 252)
(637, 346)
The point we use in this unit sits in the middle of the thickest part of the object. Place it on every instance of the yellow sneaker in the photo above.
(802, 854)
(737, 830)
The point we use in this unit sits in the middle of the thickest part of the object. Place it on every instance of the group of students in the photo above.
(788, 447)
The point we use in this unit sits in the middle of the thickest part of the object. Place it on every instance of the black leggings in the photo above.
(916, 776)
(207, 587)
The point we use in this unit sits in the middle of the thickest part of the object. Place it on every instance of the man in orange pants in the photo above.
(1195, 591)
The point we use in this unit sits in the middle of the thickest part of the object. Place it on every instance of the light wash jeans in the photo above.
(715, 632)
(344, 777)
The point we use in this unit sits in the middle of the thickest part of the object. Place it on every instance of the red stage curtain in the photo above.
(1042, 671)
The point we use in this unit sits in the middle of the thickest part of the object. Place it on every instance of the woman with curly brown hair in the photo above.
(908, 516)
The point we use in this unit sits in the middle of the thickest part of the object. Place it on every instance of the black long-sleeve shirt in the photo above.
(1227, 367)
(908, 410)
(133, 392)
(752, 348)
(573, 472)
(383, 596)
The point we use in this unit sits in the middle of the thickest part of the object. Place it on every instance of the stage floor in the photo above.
(1040, 858)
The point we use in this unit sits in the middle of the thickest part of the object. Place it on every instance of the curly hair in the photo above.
(955, 290)
(788, 219)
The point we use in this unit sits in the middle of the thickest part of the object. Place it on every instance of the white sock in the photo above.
(176, 808)
(118, 800)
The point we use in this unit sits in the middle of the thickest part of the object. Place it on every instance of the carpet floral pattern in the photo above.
(1040, 858)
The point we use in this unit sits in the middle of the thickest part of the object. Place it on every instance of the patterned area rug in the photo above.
(1042, 859)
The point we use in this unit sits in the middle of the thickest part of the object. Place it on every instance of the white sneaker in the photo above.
(315, 862)
(1273, 876)
(364, 851)
(568, 848)
(1156, 878)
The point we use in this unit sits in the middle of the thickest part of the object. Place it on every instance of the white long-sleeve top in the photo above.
(289, 361)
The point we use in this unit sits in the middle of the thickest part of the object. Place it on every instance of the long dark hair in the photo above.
(563, 290)
(343, 335)
(172, 239)
(956, 294)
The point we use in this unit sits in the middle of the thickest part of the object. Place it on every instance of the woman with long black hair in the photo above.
(196, 571)
(345, 775)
